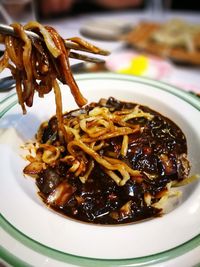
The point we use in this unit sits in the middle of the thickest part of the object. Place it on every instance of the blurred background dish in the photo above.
(175, 39)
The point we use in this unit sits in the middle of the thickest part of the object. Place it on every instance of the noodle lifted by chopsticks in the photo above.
(37, 64)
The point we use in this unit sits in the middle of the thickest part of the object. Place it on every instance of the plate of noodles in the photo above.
(140, 138)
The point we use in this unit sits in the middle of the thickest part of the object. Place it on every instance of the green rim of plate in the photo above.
(84, 261)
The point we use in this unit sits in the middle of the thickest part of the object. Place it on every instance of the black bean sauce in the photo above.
(158, 151)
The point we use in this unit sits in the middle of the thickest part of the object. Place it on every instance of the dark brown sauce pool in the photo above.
(158, 151)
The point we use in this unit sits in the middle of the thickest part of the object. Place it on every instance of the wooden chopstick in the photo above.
(8, 30)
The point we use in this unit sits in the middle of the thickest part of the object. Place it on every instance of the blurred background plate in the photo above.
(105, 29)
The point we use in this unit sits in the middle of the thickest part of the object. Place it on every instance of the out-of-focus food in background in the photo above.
(176, 39)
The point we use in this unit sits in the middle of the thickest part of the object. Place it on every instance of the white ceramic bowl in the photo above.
(45, 235)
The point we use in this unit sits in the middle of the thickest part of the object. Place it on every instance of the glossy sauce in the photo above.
(158, 151)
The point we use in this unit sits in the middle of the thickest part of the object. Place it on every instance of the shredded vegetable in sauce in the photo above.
(108, 162)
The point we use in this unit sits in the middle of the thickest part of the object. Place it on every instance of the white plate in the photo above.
(36, 234)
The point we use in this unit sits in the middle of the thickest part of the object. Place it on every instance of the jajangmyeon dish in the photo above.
(117, 166)
(108, 162)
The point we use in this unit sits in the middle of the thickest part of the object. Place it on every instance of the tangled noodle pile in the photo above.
(87, 134)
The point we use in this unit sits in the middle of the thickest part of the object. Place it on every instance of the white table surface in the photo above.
(187, 78)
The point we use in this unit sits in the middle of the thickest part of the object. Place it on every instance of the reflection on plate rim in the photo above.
(159, 257)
